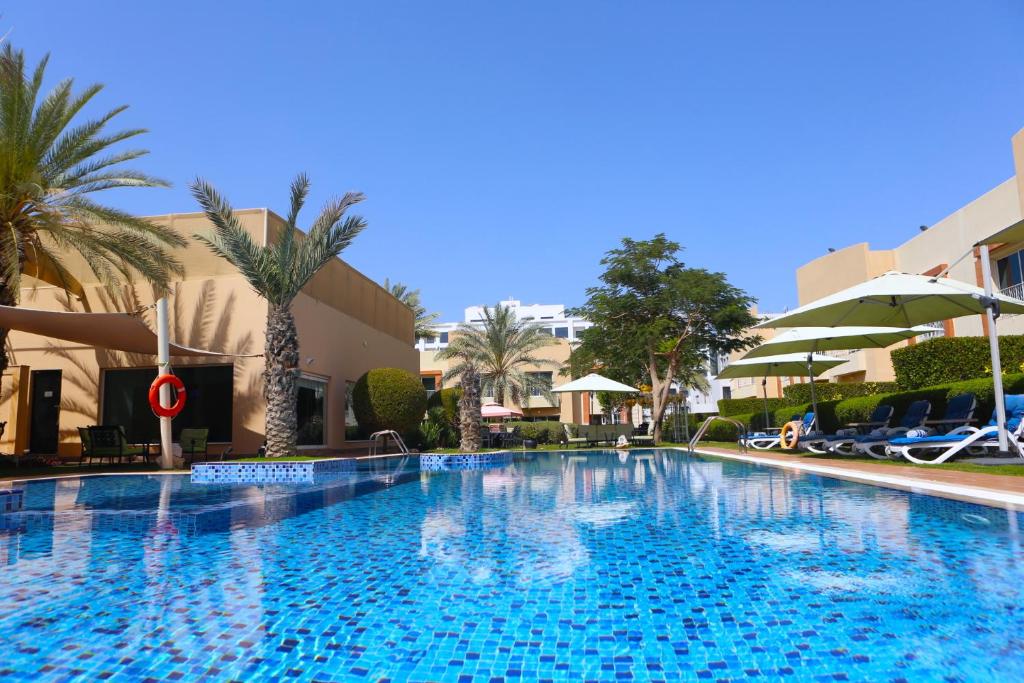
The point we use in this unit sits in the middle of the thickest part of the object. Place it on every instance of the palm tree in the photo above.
(411, 298)
(278, 272)
(50, 166)
(500, 350)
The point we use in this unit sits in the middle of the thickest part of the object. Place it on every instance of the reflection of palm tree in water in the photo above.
(210, 329)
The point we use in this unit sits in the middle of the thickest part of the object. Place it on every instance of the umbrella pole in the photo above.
(764, 401)
(164, 360)
(814, 394)
(993, 345)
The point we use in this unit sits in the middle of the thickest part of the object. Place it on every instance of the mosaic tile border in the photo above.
(300, 472)
(438, 462)
(12, 500)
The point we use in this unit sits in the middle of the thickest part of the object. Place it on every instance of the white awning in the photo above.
(115, 331)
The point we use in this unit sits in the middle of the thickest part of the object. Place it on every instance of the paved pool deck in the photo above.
(989, 489)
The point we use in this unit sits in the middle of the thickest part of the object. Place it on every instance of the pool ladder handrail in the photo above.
(704, 427)
(382, 437)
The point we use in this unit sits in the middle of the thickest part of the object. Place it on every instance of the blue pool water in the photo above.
(656, 566)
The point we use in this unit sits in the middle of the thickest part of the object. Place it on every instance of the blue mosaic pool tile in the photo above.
(295, 472)
(11, 500)
(434, 462)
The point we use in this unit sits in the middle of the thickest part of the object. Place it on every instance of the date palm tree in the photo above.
(411, 298)
(501, 350)
(51, 165)
(278, 272)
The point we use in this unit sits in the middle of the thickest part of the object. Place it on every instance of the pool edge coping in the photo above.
(971, 494)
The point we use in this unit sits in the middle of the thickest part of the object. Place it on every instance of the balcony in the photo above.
(1015, 291)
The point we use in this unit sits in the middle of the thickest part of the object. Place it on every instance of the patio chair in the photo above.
(959, 413)
(873, 444)
(765, 440)
(641, 436)
(110, 441)
(486, 438)
(572, 437)
(821, 443)
(194, 442)
(963, 439)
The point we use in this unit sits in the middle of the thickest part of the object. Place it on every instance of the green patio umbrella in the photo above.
(786, 365)
(814, 339)
(904, 300)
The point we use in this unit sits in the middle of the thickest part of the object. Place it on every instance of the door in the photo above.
(45, 413)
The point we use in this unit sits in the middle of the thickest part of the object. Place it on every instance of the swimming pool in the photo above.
(600, 566)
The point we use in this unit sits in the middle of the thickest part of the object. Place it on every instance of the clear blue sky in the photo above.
(504, 147)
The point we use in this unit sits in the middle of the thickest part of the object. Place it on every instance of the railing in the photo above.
(381, 439)
(704, 428)
(1016, 291)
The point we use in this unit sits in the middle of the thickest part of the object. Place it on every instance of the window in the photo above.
(1011, 273)
(310, 407)
(547, 317)
(210, 392)
(562, 332)
(544, 330)
(715, 364)
(726, 392)
(487, 388)
(444, 337)
(544, 378)
(429, 382)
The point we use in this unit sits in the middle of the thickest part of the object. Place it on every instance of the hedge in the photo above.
(836, 391)
(389, 398)
(859, 409)
(743, 406)
(953, 359)
(542, 432)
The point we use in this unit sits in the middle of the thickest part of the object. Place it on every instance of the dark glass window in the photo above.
(310, 407)
(544, 377)
(429, 382)
(207, 405)
(562, 332)
(726, 392)
(1010, 271)
(444, 337)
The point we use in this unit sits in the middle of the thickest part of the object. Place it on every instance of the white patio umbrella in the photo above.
(595, 382)
(496, 410)
(785, 365)
(904, 300)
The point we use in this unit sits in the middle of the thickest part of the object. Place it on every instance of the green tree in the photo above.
(501, 350)
(411, 298)
(278, 272)
(52, 164)
(654, 319)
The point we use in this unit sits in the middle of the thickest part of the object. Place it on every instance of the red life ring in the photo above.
(154, 396)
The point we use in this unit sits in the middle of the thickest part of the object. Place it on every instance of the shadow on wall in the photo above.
(209, 328)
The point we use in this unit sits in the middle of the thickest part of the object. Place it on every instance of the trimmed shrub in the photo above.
(728, 407)
(720, 430)
(541, 432)
(448, 400)
(832, 391)
(826, 414)
(389, 398)
(953, 359)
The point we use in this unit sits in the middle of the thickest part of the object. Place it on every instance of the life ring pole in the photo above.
(163, 349)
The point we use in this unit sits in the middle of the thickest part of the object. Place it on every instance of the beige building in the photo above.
(347, 325)
(551, 318)
(931, 251)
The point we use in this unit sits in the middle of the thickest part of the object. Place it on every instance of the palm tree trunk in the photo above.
(469, 412)
(280, 385)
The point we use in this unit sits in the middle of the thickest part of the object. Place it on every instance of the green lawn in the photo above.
(1013, 470)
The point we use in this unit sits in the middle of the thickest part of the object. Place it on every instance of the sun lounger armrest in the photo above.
(949, 422)
(867, 424)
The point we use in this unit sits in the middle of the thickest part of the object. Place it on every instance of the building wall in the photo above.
(928, 252)
(568, 407)
(347, 324)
